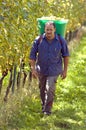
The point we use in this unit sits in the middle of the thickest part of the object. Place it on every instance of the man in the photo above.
(48, 60)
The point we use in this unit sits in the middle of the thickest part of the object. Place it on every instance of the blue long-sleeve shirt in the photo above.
(48, 55)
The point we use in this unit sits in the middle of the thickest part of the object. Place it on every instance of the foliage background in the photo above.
(22, 110)
(18, 24)
(18, 28)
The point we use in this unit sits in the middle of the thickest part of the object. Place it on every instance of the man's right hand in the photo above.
(34, 74)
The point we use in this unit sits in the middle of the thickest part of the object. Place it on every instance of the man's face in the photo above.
(49, 31)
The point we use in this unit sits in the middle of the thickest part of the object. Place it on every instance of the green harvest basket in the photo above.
(60, 26)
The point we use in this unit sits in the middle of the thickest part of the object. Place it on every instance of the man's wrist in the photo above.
(32, 68)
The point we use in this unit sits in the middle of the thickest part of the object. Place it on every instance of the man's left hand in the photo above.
(64, 75)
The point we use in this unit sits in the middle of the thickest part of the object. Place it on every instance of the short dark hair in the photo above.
(50, 23)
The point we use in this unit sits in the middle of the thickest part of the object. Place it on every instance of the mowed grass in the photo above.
(22, 111)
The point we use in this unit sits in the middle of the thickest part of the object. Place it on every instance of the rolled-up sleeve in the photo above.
(34, 50)
(65, 50)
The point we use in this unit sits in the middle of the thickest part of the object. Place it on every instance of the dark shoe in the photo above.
(47, 113)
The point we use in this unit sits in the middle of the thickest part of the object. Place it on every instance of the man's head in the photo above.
(50, 30)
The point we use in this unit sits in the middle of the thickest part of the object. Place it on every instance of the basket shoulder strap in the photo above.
(40, 39)
(59, 38)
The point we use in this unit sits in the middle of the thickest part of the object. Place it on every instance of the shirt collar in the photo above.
(44, 35)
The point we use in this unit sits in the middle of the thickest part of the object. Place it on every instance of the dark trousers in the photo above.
(47, 91)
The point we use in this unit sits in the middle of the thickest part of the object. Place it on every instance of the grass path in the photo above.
(22, 111)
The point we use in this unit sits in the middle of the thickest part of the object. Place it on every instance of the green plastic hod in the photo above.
(60, 26)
